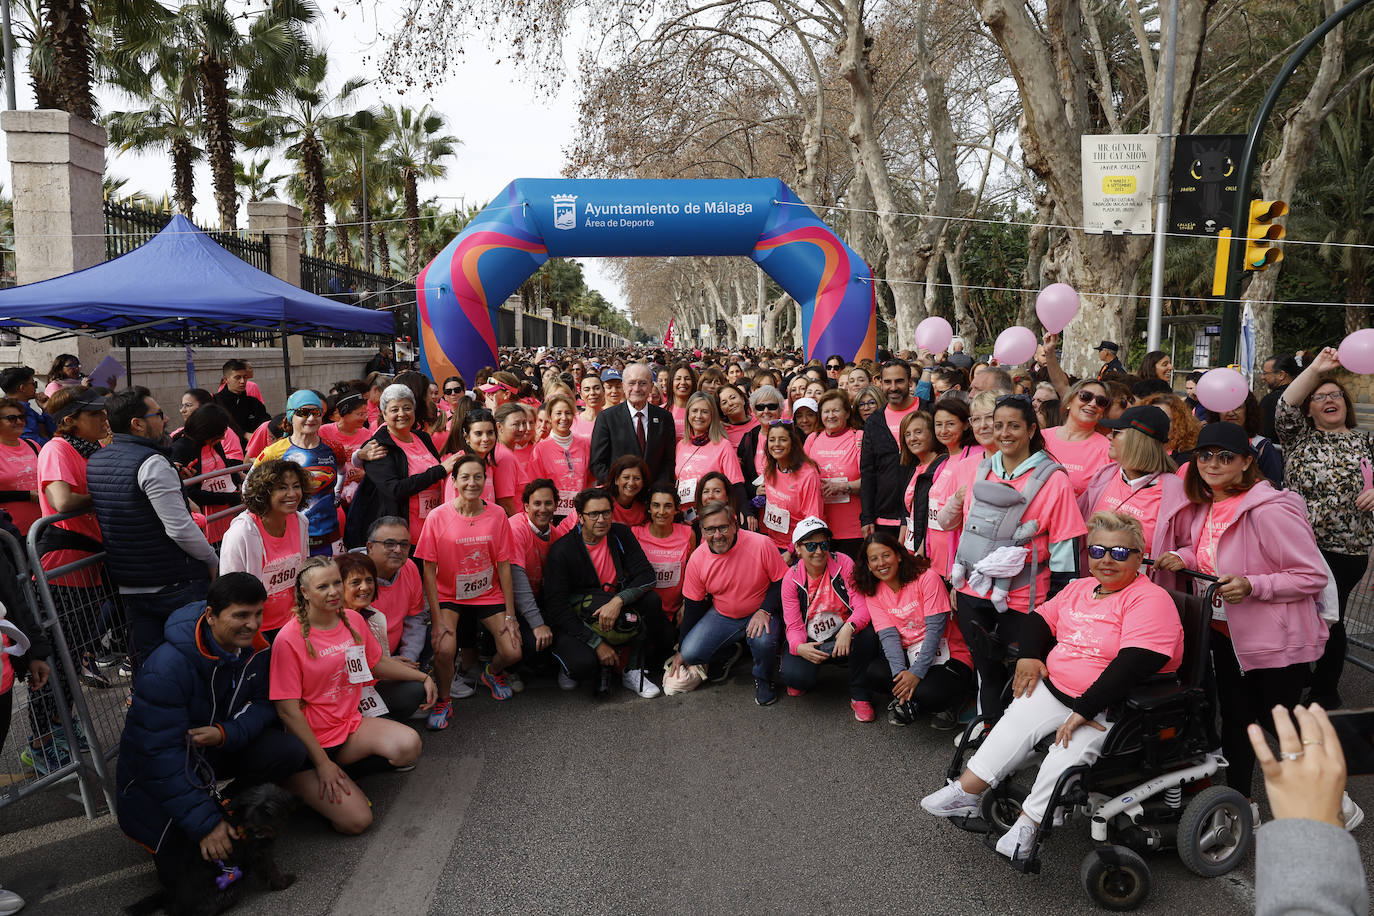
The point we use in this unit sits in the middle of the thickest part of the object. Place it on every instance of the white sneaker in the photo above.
(976, 739)
(460, 688)
(951, 801)
(10, 902)
(1016, 842)
(565, 682)
(639, 682)
(1351, 813)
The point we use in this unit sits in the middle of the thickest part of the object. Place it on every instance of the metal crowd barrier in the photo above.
(1359, 623)
(226, 512)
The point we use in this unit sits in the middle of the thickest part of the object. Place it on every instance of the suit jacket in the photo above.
(614, 435)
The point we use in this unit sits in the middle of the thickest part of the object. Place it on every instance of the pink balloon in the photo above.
(934, 334)
(1357, 352)
(1222, 389)
(1015, 345)
(1056, 305)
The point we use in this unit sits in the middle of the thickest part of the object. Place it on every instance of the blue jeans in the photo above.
(148, 613)
(715, 630)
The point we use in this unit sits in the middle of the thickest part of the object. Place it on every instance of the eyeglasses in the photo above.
(71, 365)
(157, 413)
(12, 418)
(1101, 400)
(1207, 456)
(603, 513)
(813, 546)
(453, 391)
(391, 545)
(715, 529)
(309, 412)
(1328, 396)
(834, 365)
(1097, 552)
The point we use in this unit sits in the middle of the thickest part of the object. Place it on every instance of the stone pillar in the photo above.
(57, 161)
(280, 225)
(519, 310)
(548, 326)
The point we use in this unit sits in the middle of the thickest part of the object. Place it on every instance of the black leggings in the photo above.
(978, 621)
(943, 686)
(1347, 570)
(1249, 697)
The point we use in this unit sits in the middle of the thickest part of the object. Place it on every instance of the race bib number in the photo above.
(1218, 607)
(565, 502)
(837, 481)
(280, 575)
(941, 654)
(668, 574)
(470, 585)
(370, 702)
(216, 485)
(933, 510)
(687, 491)
(429, 501)
(823, 626)
(776, 518)
(355, 663)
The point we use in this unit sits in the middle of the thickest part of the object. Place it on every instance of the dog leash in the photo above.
(201, 776)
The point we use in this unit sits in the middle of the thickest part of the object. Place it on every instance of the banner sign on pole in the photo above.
(1118, 178)
(749, 325)
(1205, 172)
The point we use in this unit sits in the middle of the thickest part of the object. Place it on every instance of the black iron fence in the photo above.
(128, 227)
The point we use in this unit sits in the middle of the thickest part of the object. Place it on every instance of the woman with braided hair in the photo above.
(321, 661)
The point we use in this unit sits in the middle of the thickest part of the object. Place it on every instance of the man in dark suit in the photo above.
(635, 427)
(1106, 351)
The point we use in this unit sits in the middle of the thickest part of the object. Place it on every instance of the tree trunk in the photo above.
(1037, 240)
(964, 325)
(68, 29)
(412, 207)
(219, 139)
(183, 176)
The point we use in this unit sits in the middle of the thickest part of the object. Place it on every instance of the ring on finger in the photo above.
(1293, 755)
(1307, 741)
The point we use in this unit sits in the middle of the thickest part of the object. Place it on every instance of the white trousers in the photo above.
(1012, 739)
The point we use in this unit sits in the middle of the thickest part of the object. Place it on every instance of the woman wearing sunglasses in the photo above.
(1110, 632)
(827, 618)
(1259, 544)
(321, 460)
(791, 484)
(767, 403)
(1077, 444)
(1329, 464)
(1248, 416)
(454, 390)
(18, 467)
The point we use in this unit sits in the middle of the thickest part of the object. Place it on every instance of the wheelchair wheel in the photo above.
(1215, 831)
(1115, 878)
(1000, 808)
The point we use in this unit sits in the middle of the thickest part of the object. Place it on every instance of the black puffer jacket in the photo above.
(387, 486)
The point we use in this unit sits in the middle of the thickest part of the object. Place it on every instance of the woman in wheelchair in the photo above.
(1114, 631)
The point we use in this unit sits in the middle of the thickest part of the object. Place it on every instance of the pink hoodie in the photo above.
(1173, 527)
(1271, 544)
(840, 569)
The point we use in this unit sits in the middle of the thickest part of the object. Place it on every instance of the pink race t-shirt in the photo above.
(736, 580)
(602, 563)
(260, 439)
(906, 611)
(631, 516)
(791, 497)
(837, 457)
(211, 461)
(1057, 512)
(694, 462)
(668, 556)
(941, 545)
(530, 550)
(322, 681)
(894, 417)
(1220, 517)
(1092, 631)
(19, 472)
(281, 560)
(466, 551)
(419, 460)
(1082, 458)
(404, 597)
(345, 444)
(59, 460)
(582, 428)
(567, 468)
(736, 432)
(1141, 504)
(679, 420)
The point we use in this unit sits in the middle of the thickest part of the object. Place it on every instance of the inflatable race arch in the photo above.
(534, 219)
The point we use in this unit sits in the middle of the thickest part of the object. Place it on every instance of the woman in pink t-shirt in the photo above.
(835, 449)
(922, 451)
(682, 384)
(792, 485)
(733, 404)
(270, 539)
(562, 457)
(347, 434)
(1111, 632)
(18, 467)
(704, 448)
(593, 395)
(667, 543)
(1077, 444)
(477, 436)
(81, 425)
(954, 430)
(514, 433)
(321, 661)
(467, 550)
(626, 480)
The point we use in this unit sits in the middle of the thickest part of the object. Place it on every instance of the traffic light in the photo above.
(1261, 232)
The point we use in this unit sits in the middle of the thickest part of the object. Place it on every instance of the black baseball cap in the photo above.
(1225, 435)
(88, 399)
(1107, 345)
(1147, 419)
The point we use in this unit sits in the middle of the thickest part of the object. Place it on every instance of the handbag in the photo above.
(625, 628)
(688, 678)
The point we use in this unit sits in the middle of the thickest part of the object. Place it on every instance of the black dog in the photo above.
(207, 888)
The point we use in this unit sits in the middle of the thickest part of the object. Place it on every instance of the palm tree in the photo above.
(353, 142)
(415, 148)
(273, 52)
(67, 25)
(299, 117)
(252, 177)
(170, 120)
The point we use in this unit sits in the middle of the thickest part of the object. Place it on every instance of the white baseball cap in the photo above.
(806, 402)
(808, 526)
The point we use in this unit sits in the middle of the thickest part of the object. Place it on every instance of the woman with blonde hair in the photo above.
(321, 661)
(1076, 444)
(704, 448)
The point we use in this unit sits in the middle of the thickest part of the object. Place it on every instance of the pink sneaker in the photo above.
(795, 692)
(863, 710)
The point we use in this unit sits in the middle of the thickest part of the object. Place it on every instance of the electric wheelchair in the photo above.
(1150, 790)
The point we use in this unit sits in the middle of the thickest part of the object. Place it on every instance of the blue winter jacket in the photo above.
(189, 681)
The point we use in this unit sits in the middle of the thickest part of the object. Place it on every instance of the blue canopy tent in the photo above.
(178, 285)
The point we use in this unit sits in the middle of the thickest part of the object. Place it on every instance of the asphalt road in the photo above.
(705, 803)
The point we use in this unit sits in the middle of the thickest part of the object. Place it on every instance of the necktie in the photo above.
(639, 430)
